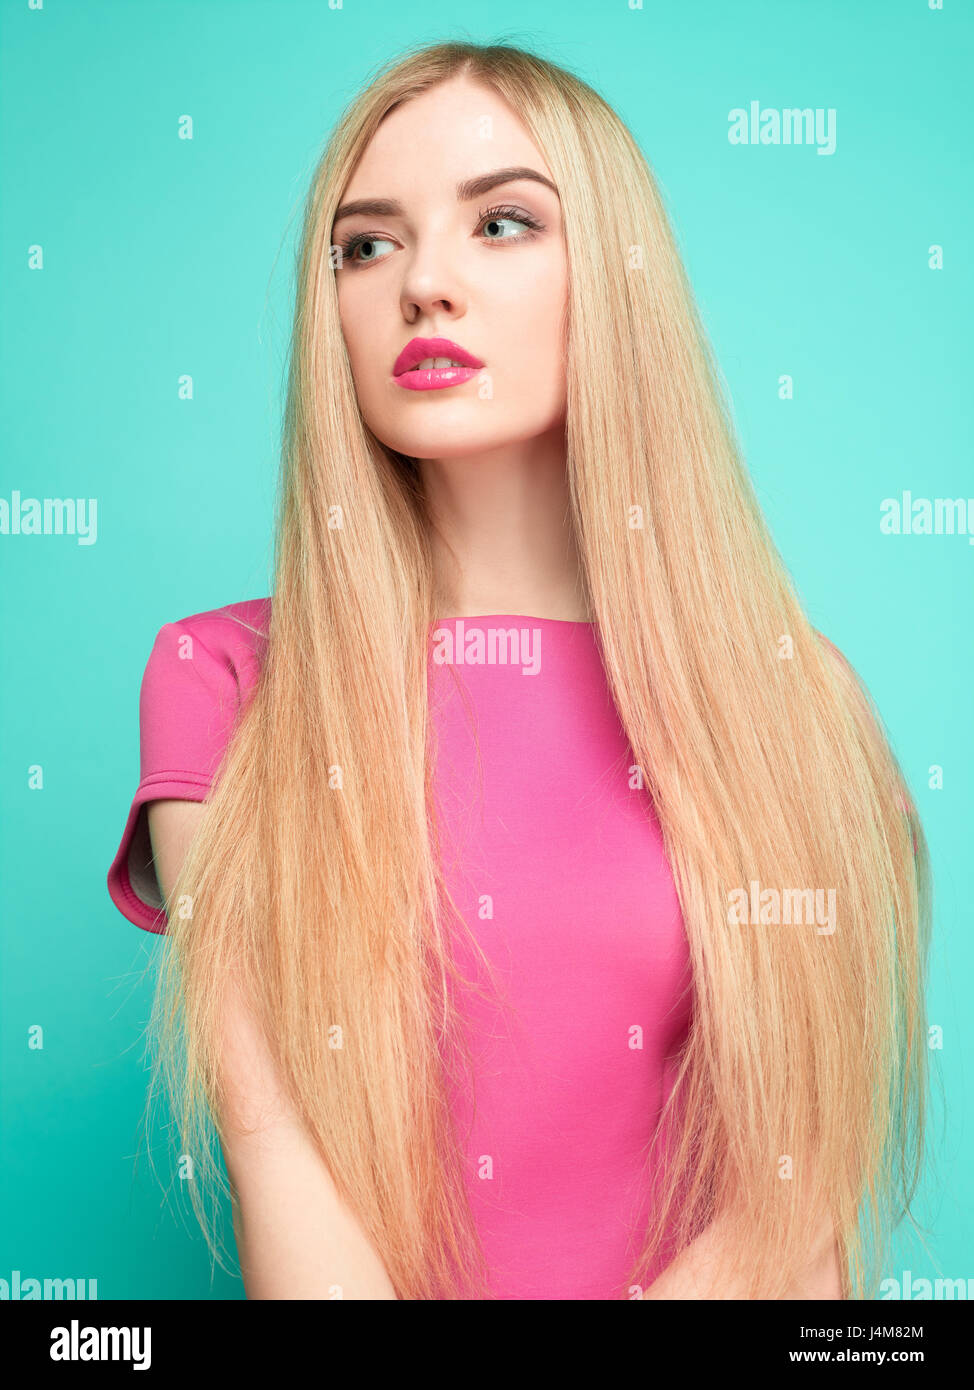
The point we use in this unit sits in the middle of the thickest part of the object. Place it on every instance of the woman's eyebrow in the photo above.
(469, 188)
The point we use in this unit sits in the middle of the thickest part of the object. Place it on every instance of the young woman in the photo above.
(555, 921)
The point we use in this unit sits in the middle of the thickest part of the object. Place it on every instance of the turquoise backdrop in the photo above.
(131, 256)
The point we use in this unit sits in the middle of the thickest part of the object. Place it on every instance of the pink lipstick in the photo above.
(408, 372)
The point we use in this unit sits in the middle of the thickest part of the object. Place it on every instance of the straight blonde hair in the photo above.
(315, 877)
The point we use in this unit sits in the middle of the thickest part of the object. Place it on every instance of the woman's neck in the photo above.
(501, 534)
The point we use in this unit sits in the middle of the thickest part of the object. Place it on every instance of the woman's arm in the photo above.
(295, 1237)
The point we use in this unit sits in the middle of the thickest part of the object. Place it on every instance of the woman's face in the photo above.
(482, 267)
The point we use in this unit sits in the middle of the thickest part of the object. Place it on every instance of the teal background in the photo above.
(164, 256)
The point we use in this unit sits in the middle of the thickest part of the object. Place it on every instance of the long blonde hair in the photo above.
(315, 878)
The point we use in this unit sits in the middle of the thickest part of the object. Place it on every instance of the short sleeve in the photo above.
(188, 702)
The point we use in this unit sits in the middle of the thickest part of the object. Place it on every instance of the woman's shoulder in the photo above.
(199, 675)
(215, 654)
(242, 626)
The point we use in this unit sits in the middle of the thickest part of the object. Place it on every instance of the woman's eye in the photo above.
(493, 226)
(368, 246)
(506, 224)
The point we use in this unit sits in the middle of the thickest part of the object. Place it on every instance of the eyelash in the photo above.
(354, 240)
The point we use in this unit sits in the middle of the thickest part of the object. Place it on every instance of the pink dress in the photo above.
(556, 862)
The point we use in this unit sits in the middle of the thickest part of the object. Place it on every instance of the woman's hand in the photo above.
(700, 1271)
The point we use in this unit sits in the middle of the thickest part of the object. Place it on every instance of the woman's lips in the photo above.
(407, 373)
(434, 378)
